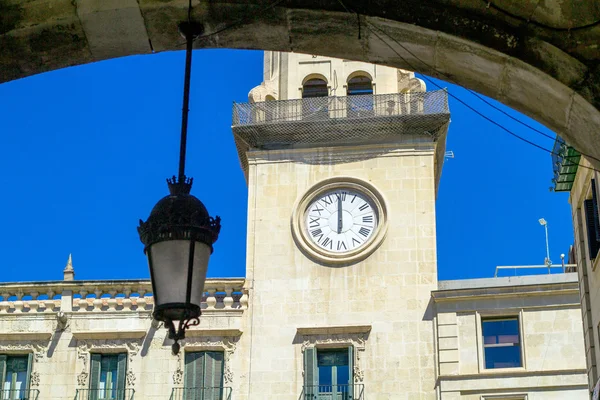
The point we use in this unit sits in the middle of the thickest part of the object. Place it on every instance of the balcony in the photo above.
(334, 120)
(203, 393)
(565, 161)
(29, 394)
(103, 394)
(333, 392)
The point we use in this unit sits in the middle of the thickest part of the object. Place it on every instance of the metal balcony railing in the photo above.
(29, 394)
(104, 394)
(201, 393)
(333, 121)
(333, 392)
(565, 162)
(351, 107)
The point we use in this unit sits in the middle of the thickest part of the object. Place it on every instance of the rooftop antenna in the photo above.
(547, 261)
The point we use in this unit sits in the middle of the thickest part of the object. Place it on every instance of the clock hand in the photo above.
(339, 214)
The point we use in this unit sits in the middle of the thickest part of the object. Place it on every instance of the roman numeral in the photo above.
(327, 202)
(342, 195)
(329, 242)
(316, 232)
(363, 207)
(367, 218)
(340, 245)
(317, 209)
(354, 198)
(355, 240)
(314, 221)
(364, 231)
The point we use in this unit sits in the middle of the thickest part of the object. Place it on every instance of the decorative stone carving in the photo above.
(82, 379)
(358, 374)
(130, 378)
(358, 340)
(37, 348)
(83, 351)
(34, 379)
(178, 374)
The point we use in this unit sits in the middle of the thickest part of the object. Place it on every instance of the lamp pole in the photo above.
(547, 261)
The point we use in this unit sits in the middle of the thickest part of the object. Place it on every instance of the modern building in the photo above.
(575, 174)
(340, 300)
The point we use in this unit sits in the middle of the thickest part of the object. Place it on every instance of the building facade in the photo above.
(574, 173)
(340, 300)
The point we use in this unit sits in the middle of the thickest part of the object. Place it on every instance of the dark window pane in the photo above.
(502, 357)
(360, 85)
(315, 88)
(500, 331)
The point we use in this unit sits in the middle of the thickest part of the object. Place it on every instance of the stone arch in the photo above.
(314, 76)
(357, 73)
(544, 64)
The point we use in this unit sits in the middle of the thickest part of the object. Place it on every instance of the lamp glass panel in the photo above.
(170, 270)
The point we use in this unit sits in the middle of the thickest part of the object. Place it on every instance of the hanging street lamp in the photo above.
(179, 234)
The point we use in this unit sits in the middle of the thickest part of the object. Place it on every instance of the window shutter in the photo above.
(596, 210)
(2, 372)
(311, 377)
(28, 376)
(590, 218)
(350, 372)
(213, 374)
(95, 362)
(194, 371)
(121, 375)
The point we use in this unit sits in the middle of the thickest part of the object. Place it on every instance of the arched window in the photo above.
(360, 85)
(315, 87)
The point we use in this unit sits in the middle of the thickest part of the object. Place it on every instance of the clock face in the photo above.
(341, 220)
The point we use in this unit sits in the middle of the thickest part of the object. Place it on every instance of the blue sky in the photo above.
(84, 153)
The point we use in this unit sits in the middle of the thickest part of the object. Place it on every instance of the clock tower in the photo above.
(342, 161)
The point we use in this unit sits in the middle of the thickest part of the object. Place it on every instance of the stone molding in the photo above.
(226, 332)
(25, 336)
(334, 330)
(116, 334)
(85, 347)
(355, 336)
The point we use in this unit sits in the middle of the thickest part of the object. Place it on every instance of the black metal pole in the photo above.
(186, 101)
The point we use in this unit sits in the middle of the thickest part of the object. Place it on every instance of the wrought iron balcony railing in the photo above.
(104, 394)
(201, 393)
(29, 394)
(333, 392)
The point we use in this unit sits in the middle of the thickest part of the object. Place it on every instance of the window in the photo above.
(360, 85)
(204, 375)
(107, 377)
(314, 88)
(592, 222)
(360, 100)
(315, 105)
(328, 374)
(501, 344)
(15, 371)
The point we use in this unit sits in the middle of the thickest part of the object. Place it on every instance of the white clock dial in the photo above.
(341, 220)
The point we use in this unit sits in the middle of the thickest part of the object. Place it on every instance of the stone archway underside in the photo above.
(542, 58)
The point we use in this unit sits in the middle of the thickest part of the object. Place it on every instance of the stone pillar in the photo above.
(66, 301)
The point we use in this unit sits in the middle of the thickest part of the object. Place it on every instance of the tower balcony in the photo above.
(330, 121)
